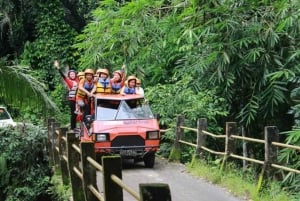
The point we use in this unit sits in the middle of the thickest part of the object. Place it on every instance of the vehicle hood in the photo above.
(125, 125)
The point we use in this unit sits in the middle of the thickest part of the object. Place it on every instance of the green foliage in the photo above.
(290, 157)
(16, 25)
(25, 172)
(240, 183)
(127, 33)
(174, 155)
(19, 88)
(245, 50)
(60, 99)
(242, 54)
(59, 191)
(215, 59)
(53, 41)
(170, 100)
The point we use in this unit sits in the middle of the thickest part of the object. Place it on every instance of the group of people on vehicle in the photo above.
(83, 86)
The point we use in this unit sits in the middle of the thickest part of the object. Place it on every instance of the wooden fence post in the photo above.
(112, 165)
(73, 161)
(55, 126)
(155, 192)
(62, 152)
(231, 129)
(88, 171)
(271, 151)
(176, 150)
(201, 137)
(271, 135)
(50, 134)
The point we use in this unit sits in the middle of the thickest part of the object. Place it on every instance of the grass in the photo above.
(239, 183)
(59, 191)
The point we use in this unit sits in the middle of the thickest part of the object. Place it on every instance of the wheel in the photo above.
(149, 160)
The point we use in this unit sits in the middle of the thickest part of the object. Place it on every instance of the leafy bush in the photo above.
(171, 100)
(24, 170)
(291, 158)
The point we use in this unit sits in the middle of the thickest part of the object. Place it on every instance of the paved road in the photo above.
(183, 186)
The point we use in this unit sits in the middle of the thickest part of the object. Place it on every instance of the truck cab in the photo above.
(123, 125)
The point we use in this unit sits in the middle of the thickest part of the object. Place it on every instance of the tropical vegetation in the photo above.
(226, 60)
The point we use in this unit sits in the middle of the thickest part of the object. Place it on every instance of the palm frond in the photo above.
(19, 88)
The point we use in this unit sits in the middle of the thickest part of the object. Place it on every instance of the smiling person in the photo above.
(118, 80)
(129, 87)
(84, 96)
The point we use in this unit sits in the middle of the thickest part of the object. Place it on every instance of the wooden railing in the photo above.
(270, 141)
(78, 166)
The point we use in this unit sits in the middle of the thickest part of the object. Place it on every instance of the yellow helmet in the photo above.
(131, 77)
(89, 71)
(80, 75)
(102, 70)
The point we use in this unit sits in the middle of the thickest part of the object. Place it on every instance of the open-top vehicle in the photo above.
(123, 125)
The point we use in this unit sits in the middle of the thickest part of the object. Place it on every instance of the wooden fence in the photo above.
(78, 166)
(270, 141)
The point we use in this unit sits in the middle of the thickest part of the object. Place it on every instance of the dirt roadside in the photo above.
(183, 185)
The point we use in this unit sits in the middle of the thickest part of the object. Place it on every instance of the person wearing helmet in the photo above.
(71, 80)
(138, 88)
(129, 87)
(84, 95)
(80, 75)
(103, 84)
(117, 82)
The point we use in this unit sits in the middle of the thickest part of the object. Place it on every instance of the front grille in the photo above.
(128, 146)
(128, 141)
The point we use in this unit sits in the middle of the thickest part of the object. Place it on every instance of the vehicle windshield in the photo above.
(3, 114)
(123, 109)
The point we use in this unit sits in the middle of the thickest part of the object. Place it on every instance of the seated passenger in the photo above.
(129, 87)
(138, 88)
(84, 94)
(80, 75)
(117, 82)
(103, 83)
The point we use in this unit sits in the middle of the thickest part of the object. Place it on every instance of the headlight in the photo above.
(101, 137)
(153, 135)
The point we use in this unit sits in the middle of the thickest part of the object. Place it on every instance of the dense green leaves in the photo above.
(24, 168)
(53, 41)
(232, 58)
(241, 48)
(20, 89)
(291, 158)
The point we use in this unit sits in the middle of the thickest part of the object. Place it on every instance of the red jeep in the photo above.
(123, 125)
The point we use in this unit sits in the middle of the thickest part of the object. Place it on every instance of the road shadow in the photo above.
(131, 164)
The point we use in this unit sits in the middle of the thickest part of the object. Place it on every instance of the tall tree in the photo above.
(244, 49)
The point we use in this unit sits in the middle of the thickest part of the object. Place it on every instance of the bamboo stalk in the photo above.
(286, 145)
(248, 139)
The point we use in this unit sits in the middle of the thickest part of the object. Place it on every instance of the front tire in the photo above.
(149, 160)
